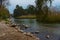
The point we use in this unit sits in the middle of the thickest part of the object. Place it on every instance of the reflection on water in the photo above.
(52, 29)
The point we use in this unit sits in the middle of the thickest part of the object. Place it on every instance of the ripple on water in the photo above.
(51, 29)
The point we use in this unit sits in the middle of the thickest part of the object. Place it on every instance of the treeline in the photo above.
(45, 13)
(41, 10)
(19, 11)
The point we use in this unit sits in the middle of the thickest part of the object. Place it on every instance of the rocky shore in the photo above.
(13, 33)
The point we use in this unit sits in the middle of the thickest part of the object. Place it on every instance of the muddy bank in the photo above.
(11, 33)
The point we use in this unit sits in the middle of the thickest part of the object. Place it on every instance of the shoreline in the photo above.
(14, 33)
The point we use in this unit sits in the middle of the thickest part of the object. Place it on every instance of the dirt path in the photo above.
(10, 33)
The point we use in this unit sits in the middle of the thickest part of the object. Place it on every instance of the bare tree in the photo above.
(4, 3)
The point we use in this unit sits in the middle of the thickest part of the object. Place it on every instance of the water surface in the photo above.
(44, 29)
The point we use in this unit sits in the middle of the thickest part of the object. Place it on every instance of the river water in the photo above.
(44, 29)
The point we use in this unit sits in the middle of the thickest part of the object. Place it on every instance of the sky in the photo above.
(56, 3)
(24, 3)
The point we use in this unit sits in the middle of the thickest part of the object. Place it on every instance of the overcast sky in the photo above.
(24, 3)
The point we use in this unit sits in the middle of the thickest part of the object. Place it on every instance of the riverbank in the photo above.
(10, 33)
(27, 17)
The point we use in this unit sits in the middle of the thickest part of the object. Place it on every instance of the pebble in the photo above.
(37, 38)
(36, 32)
(3, 34)
(21, 31)
(47, 36)
(24, 33)
(29, 34)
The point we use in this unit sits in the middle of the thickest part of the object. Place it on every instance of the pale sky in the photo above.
(56, 3)
(24, 3)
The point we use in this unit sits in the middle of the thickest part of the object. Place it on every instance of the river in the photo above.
(44, 29)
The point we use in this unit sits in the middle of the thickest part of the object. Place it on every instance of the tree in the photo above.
(19, 11)
(31, 9)
(40, 4)
(4, 13)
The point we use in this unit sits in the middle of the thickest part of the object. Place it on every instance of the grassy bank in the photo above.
(51, 19)
(27, 17)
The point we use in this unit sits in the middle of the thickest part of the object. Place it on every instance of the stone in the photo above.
(21, 31)
(47, 36)
(26, 26)
(37, 32)
(31, 35)
(13, 25)
(32, 32)
(28, 34)
(37, 38)
(24, 33)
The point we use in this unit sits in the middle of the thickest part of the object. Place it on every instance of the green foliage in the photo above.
(4, 13)
(19, 11)
(42, 9)
(31, 10)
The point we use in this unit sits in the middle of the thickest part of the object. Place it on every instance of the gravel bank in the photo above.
(10, 33)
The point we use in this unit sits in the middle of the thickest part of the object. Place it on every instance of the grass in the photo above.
(51, 19)
(27, 17)
(54, 18)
